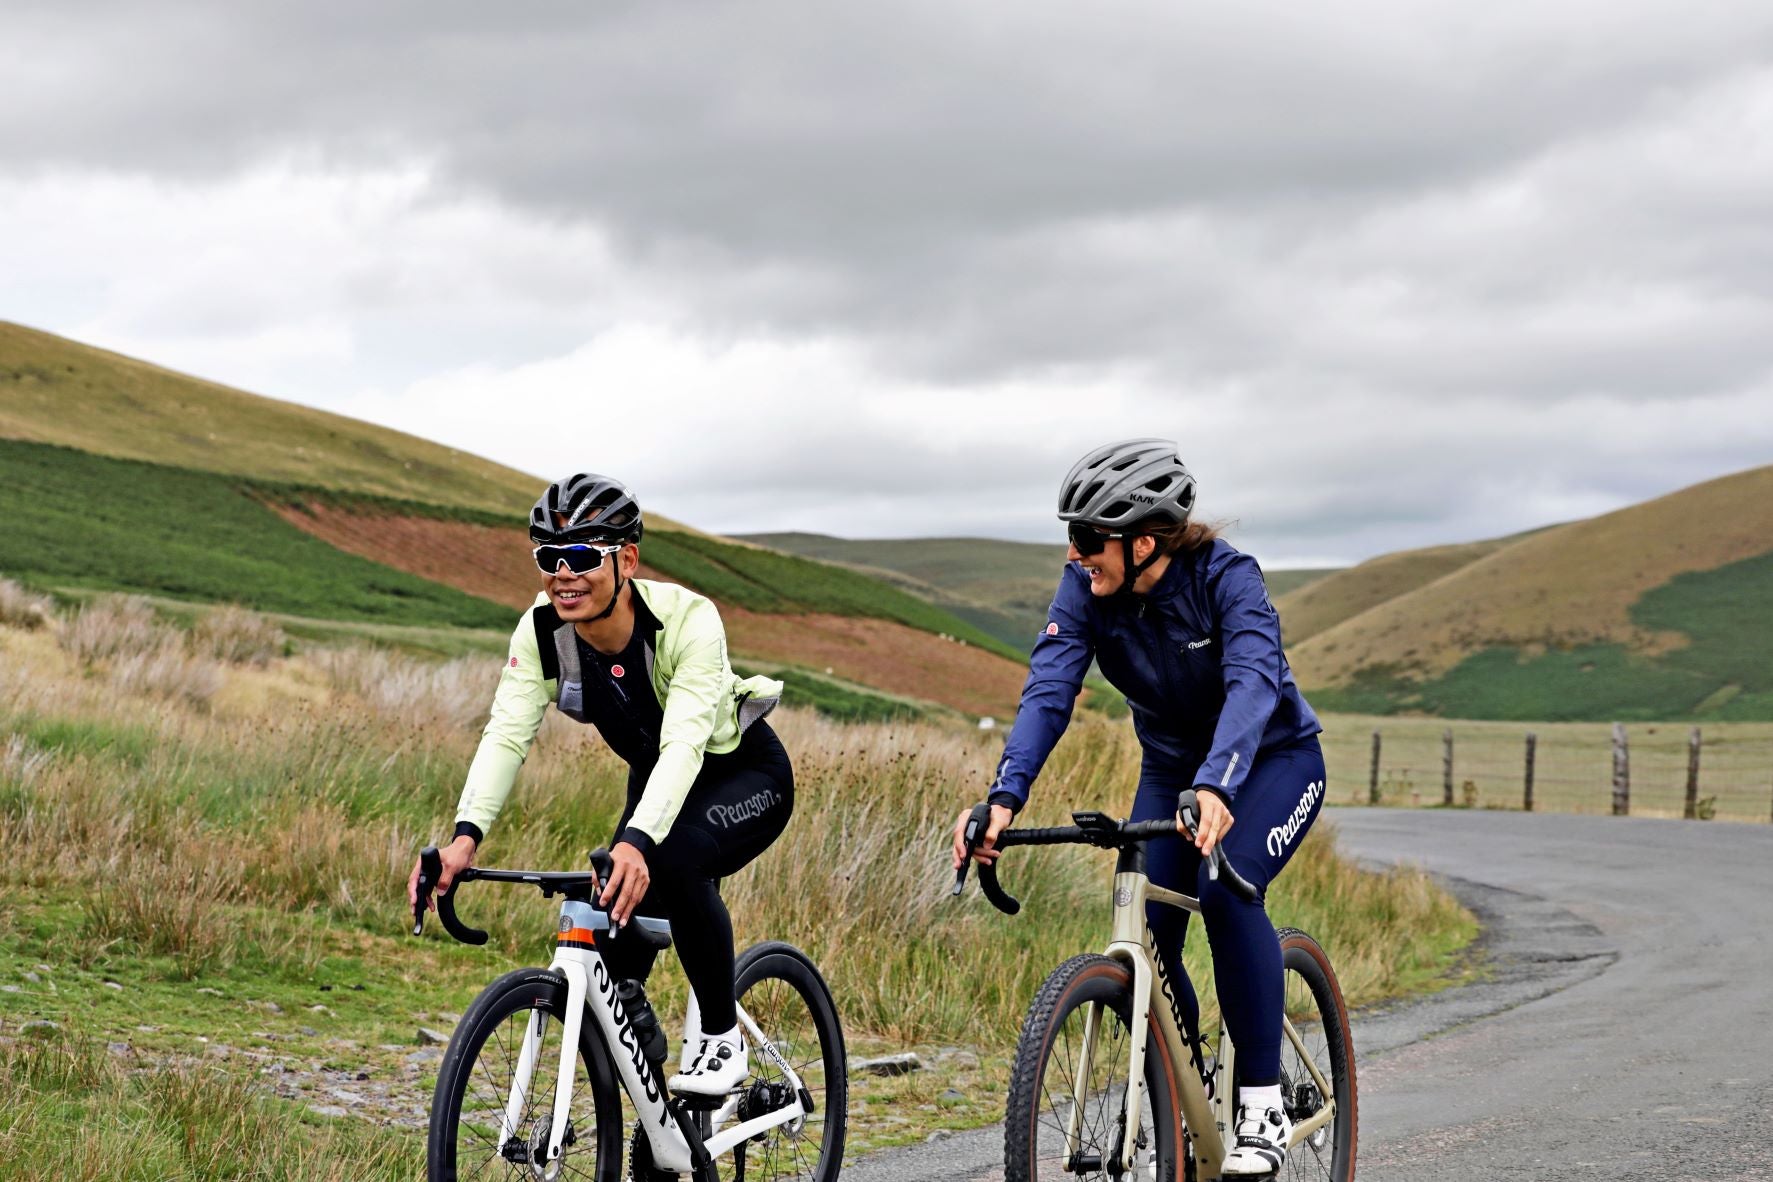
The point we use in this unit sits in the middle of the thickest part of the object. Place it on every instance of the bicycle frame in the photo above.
(1208, 1119)
(591, 989)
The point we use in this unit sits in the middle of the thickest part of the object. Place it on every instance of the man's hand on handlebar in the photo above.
(986, 850)
(457, 856)
(627, 882)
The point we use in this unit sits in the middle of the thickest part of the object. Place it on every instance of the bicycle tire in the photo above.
(1037, 1116)
(783, 991)
(500, 1016)
(1311, 982)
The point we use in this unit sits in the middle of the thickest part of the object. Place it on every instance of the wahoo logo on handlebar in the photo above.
(1089, 828)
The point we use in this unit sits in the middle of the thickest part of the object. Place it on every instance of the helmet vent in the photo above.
(1116, 509)
(1158, 485)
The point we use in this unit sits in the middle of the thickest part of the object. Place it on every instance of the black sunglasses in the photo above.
(1088, 540)
(581, 558)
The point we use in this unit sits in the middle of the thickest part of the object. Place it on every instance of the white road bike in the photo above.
(531, 1084)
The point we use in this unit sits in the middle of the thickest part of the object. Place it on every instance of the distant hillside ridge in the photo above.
(1655, 610)
(1003, 587)
(1309, 608)
(54, 390)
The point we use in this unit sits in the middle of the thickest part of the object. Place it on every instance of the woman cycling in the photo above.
(709, 786)
(1180, 623)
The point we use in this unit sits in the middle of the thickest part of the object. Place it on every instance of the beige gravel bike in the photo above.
(1107, 1083)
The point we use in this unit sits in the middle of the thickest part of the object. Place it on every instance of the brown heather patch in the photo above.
(883, 654)
(1560, 588)
(495, 564)
(491, 563)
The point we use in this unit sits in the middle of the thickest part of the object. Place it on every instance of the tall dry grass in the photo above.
(193, 818)
(24, 609)
(236, 636)
(123, 636)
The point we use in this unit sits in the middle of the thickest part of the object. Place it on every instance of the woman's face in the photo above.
(1108, 570)
(582, 597)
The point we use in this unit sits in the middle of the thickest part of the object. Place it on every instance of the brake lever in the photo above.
(1187, 807)
(430, 869)
(978, 823)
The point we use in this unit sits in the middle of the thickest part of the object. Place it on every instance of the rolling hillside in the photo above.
(1002, 587)
(123, 476)
(1656, 610)
(1312, 607)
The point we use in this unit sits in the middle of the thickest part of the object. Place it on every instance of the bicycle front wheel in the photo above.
(1322, 1055)
(470, 1137)
(1068, 1111)
(780, 989)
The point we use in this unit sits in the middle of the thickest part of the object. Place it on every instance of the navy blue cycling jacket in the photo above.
(1198, 658)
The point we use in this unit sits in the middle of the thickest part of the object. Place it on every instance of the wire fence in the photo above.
(1722, 771)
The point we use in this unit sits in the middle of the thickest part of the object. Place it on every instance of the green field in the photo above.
(1723, 672)
(1573, 764)
(79, 520)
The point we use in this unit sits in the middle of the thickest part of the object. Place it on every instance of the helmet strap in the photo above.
(1134, 569)
(614, 597)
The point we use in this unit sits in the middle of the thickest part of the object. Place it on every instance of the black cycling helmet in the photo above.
(585, 507)
(1119, 484)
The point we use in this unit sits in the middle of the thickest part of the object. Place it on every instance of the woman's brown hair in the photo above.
(1172, 538)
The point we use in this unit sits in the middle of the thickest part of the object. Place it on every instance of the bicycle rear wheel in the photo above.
(1047, 1092)
(1314, 1005)
(474, 1085)
(781, 990)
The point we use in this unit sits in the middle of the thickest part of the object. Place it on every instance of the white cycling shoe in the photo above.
(720, 1064)
(1261, 1149)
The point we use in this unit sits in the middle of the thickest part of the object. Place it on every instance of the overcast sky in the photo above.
(1391, 273)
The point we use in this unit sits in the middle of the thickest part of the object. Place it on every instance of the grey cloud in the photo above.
(1396, 247)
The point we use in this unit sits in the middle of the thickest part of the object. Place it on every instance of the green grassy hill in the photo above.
(1321, 603)
(123, 476)
(1003, 588)
(53, 390)
(1654, 611)
(77, 520)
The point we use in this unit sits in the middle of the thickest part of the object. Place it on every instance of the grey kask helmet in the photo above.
(1118, 484)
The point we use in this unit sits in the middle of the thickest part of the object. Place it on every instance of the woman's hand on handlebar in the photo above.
(986, 850)
(627, 882)
(457, 856)
(1215, 822)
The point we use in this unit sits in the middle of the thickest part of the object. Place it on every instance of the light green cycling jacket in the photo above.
(707, 706)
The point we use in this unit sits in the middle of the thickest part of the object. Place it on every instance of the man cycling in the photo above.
(1180, 623)
(709, 785)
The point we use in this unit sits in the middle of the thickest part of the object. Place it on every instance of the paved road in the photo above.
(1625, 1029)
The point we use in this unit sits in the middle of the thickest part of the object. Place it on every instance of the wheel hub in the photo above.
(763, 1098)
(1303, 1100)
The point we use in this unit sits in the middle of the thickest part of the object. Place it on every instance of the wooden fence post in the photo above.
(1621, 772)
(1527, 790)
(1373, 779)
(1447, 767)
(1691, 812)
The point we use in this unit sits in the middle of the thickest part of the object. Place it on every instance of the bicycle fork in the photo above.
(577, 987)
